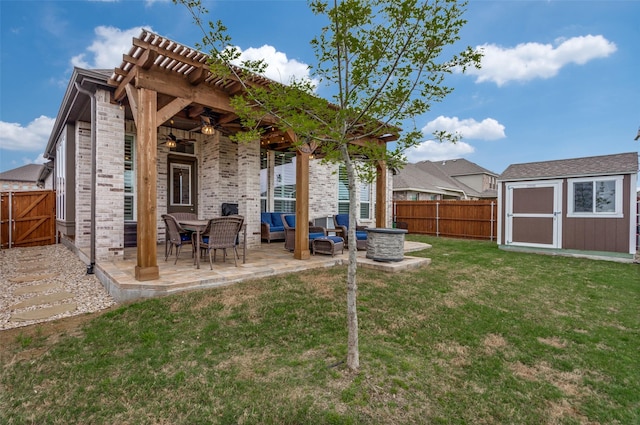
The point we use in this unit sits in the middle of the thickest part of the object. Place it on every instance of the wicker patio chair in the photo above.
(289, 222)
(176, 236)
(222, 233)
(342, 222)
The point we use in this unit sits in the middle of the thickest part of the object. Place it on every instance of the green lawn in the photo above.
(481, 336)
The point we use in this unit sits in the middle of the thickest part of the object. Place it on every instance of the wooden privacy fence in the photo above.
(27, 218)
(457, 219)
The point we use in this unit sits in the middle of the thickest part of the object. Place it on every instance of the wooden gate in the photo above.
(27, 218)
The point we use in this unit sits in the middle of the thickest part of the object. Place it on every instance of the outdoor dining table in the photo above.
(196, 226)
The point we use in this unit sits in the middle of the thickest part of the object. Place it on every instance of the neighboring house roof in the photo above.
(413, 178)
(427, 177)
(623, 163)
(26, 173)
(462, 167)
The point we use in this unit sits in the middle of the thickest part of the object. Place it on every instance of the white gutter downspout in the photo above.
(92, 254)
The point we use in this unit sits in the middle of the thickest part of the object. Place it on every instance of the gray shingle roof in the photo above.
(461, 167)
(622, 163)
(26, 173)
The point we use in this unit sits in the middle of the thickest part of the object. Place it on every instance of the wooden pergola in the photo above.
(162, 80)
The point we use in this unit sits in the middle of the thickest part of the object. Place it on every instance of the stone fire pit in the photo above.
(385, 244)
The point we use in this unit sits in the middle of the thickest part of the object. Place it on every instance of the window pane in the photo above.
(284, 182)
(287, 206)
(605, 196)
(180, 184)
(364, 210)
(128, 208)
(583, 197)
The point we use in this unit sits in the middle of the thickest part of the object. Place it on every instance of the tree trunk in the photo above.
(353, 352)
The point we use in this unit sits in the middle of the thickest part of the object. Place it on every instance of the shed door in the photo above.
(534, 214)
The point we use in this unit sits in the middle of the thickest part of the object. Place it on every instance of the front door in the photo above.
(534, 214)
(182, 185)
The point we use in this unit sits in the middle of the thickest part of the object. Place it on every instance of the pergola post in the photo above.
(381, 194)
(146, 181)
(301, 250)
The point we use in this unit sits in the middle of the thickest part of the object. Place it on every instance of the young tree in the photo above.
(382, 59)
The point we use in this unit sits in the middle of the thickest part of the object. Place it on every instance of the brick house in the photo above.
(130, 144)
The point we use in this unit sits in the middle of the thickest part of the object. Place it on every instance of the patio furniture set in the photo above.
(205, 236)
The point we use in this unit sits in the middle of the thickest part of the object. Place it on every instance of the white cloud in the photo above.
(529, 61)
(436, 151)
(38, 160)
(280, 68)
(487, 129)
(107, 48)
(33, 137)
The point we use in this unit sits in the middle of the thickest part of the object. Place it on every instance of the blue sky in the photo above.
(560, 79)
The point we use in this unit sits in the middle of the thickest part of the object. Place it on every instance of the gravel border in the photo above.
(69, 274)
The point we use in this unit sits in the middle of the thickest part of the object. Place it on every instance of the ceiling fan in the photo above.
(172, 141)
(209, 124)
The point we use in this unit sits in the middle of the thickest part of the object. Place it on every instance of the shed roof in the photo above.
(622, 163)
(26, 173)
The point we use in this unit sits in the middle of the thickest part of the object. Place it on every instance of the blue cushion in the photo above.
(335, 239)
(185, 237)
(205, 239)
(276, 228)
(276, 219)
(342, 220)
(361, 235)
(291, 220)
(316, 235)
(265, 217)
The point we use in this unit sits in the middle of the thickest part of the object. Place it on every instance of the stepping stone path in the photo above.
(45, 283)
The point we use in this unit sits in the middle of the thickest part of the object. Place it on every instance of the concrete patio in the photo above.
(267, 260)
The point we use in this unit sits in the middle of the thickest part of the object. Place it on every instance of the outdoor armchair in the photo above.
(341, 221)
(289, 223)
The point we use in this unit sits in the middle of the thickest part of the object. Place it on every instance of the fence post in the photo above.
(491, 236)
(10, 223)
(437, 219)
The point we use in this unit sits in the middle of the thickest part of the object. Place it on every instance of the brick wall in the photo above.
(109, 179)
(83, 185)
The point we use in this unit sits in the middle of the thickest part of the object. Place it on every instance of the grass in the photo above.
(481, 336)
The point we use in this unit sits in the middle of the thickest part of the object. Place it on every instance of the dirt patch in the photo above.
(554, 342)
(493, 343)
(40, 337)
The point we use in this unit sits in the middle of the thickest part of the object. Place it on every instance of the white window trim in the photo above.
(618, 213)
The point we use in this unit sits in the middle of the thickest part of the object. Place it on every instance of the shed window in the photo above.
(595, 197)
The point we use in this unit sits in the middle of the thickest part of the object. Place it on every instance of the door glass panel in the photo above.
(181, 184)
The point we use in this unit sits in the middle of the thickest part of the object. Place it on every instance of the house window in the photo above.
(343, 195)
(180, 184)
(129, 178)
(284, 182)
(591, 197)
(264, 180)
(60, 184)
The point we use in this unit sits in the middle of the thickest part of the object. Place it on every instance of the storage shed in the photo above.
(581, 206)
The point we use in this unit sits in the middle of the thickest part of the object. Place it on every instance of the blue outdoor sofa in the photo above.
(271, 227)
